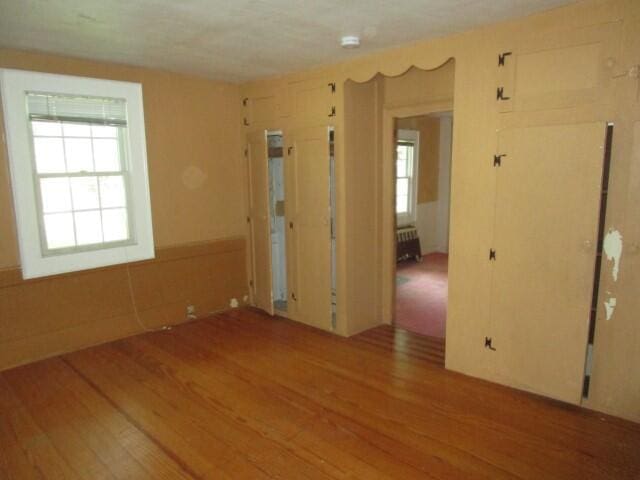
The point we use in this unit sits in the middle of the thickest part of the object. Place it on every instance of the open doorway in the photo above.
(277, 222)
(422, 199)
(372, 108)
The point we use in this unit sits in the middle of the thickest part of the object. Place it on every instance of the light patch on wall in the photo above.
(613, 251)
(234, 303)
(193, 177)
(610, 306)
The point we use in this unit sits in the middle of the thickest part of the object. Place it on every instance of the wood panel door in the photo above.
(566, 69)
(261, 112)
(546, 224)
(309, 225)
(312, 102)
(259, 224)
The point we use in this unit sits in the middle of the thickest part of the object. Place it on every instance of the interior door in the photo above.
(546, 224)
(312, 102)
(259, 221)
(566, 69)
(308, 219)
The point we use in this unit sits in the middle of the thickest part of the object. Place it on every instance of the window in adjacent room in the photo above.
(406, 176)
(78, 167)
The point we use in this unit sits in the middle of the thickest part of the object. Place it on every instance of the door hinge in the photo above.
(290, 224)
(500, 94)
(293, 297)
(251, 283)
(487, 343)
(502, 57)
(332, 86)
(246, 152)
(333, 112)
(289, 150)
(492, 254)
(245, 100)
(245, 122)
(497, 159)
(248, 219)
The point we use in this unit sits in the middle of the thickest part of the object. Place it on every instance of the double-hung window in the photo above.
(78, 166)
(406, 176)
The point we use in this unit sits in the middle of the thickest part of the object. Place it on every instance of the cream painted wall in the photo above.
(432, 218)
(193, 150)
(197, 197)
(362, 113)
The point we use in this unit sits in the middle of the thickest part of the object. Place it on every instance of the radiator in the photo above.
(407, 244)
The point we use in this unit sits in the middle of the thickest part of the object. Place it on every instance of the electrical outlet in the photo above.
(191, 311)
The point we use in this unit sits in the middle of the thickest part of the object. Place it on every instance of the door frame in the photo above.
(250, 137)
(269, 133)
(388, 214)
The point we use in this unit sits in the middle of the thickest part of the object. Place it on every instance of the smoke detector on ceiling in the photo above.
(350, 41)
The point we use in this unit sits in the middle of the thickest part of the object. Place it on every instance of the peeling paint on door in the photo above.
(613, 250)
(610, 306)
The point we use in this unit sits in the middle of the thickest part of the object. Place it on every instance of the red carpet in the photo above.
(421, 295)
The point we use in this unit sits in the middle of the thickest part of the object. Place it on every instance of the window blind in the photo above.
(68, 108)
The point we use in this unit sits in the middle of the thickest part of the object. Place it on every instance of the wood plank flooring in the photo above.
(404, 344)
(245, 396)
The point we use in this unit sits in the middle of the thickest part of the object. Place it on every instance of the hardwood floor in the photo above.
(242, 395)
(404, 343)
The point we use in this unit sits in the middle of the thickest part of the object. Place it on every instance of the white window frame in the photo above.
(412, 136)
(14, 85)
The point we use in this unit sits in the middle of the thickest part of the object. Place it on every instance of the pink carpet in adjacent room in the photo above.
(421, 295)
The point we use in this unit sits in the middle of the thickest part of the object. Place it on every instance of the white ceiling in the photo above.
(238, 40)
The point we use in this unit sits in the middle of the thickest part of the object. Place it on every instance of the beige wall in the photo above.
(585, 91)
(193, 150)
(196, 183)
(362, 126)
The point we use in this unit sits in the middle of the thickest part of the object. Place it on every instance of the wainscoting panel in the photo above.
(48, 316)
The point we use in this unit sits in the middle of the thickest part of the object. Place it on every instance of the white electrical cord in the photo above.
(136, 314)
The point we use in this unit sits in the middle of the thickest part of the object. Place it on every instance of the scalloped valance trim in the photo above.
(366, 73)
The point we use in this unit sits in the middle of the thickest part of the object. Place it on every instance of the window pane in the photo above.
(402, 186)
(76, 130)
(56, 196)
(88, 227)
(59, 230)
(115, 224)
(104, 131)
(79, 156)
(409, 161)
(46, 129)
(402, 152)
(402, 204)
(84, 191)
(49, 155)
(112, 192)
(105, 153)
(401, 168)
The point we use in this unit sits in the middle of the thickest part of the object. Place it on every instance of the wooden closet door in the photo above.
(308, 222)
(260, 226)
(572, 68)
(546, 224)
